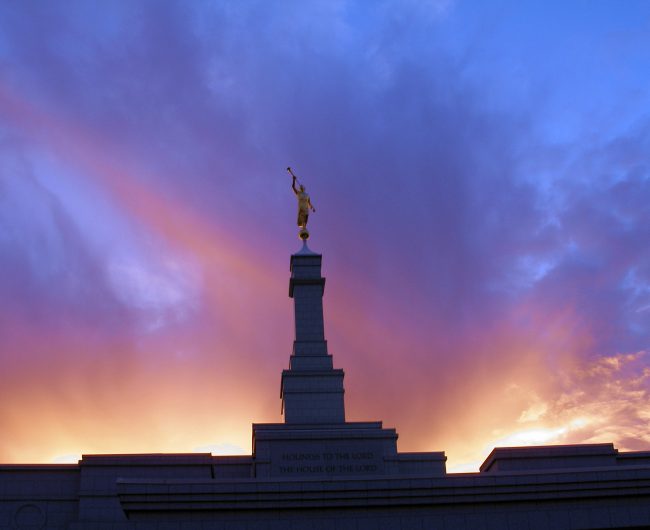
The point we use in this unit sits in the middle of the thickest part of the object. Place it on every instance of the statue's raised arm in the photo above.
(304, 205)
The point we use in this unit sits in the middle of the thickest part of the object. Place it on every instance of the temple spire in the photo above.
(312, 390)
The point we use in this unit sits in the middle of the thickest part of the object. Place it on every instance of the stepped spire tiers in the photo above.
(311, 390)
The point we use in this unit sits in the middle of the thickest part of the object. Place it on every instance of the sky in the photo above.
(481, 175)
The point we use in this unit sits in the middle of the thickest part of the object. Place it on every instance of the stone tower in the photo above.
(315, 440)
(311, 389)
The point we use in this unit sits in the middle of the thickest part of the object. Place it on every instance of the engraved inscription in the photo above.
(330, 462)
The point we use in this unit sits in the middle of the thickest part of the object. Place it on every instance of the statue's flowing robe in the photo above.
(303, 208)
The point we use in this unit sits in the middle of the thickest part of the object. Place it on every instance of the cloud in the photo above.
(66, 459)
(470, 247)
(611, 395)
(600, 400)
(220, 449)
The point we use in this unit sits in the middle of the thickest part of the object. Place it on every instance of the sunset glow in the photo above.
(481, 178)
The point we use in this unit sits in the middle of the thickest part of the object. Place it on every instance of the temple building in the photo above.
(318, 471)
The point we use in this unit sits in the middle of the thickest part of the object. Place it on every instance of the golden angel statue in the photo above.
(304, 205)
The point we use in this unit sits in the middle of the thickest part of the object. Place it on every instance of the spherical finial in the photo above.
(303, 234)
